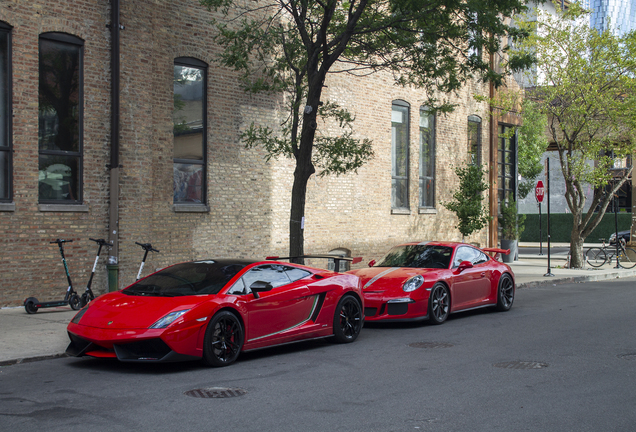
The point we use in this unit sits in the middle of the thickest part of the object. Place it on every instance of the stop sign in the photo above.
(539, 191)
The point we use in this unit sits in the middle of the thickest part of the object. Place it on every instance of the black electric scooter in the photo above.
(71, 298)
(148, 248)
(88, 295)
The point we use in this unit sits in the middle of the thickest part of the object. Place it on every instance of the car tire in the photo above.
(348, 320)
(30, 306)
(75, 302)
(223, 340)
(438, 304)
(505, 293)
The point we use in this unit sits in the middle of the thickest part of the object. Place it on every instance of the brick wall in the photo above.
(249, 199)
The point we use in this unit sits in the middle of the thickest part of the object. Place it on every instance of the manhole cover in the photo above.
(430, 345)
(630, 356)
(216, 392)
(521, 365)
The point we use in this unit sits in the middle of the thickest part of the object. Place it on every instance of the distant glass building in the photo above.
(619, 14)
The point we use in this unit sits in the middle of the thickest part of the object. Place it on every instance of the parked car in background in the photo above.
(621, 234)
(431, 280)
(216, 308)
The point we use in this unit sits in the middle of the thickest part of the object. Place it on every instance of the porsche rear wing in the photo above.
(336, 259)
(497, 252)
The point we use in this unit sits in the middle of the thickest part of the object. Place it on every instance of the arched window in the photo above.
(400, 155)
(60, 113)
(427, 158)
(190, 131)
(6, 166)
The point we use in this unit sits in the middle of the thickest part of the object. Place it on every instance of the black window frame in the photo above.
(198, 64)
(68, 39)
(7, 139)
(403, 105)
(432, 148)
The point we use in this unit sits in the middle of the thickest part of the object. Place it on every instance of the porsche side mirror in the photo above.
(260, 286)
(464, 265)
(371, 263)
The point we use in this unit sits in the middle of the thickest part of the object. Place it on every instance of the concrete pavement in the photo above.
(42, 335)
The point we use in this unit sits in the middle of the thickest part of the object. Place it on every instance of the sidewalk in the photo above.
(42, 335)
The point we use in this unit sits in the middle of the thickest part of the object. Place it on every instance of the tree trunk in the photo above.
(299, 192)
(577, 258)
(304, 170)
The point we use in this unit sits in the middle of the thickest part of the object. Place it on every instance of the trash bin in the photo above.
(113, 277)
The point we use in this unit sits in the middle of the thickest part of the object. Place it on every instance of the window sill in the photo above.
(427, 210)
(401, 211)
(80, 208)
(7, 207)
(190, 208)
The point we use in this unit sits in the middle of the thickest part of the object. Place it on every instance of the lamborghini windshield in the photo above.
(418, 256)
(192, 278)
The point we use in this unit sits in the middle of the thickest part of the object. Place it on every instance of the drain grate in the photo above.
(430, 345)
(630, 356)
(521, 365)
(215, 392)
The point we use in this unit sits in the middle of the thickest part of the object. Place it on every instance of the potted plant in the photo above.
(512, 225)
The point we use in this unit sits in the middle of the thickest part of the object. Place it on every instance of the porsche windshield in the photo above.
(419, 256)
(192, 278)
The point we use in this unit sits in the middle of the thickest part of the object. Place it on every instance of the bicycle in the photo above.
(597, 256)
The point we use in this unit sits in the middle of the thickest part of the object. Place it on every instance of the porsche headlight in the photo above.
(168, 319)
(412, 284)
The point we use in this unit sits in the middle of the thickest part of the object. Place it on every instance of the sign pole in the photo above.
(547, 177)
(540, 231)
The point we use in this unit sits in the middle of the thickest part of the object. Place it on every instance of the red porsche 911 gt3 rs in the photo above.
(214, 309)
(430, 280)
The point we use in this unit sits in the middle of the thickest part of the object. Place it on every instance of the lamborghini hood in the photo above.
(121, 311)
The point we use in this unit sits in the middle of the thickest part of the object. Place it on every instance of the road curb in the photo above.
(577, 279)
(31, 359)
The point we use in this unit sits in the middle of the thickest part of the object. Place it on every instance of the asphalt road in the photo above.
(563, 359)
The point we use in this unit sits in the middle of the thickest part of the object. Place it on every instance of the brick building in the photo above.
(175, 173)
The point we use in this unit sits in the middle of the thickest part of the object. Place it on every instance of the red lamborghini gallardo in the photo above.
(214, 309)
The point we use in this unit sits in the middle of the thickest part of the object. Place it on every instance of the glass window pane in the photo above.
(59, 96)
(5, 178)
(188, 112)
(4, 89)
(5, 154)
(58, 177)
(188, 183)
(399, 193)
(400, 145)
(427, 192)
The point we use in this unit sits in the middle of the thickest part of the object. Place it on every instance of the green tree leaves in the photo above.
(467, 202)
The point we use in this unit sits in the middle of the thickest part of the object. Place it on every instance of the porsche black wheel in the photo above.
(347, 321)
(438, 304)
(505, 293)
(223, 340)
(75, 302)
(30, 306)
